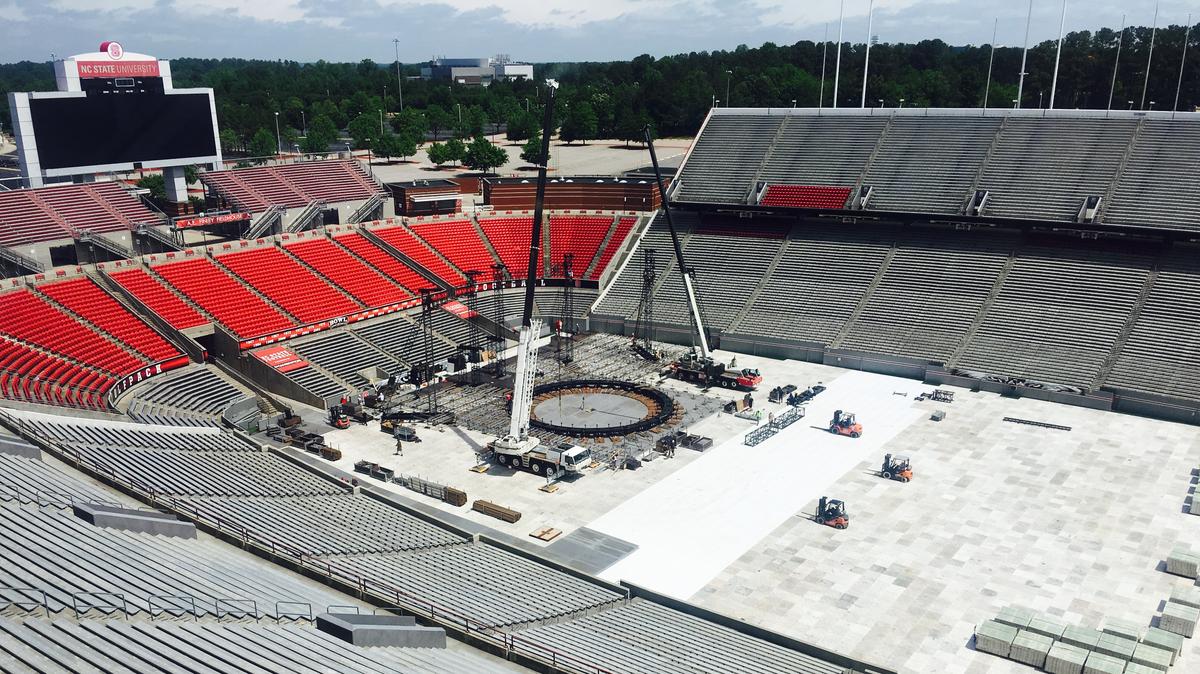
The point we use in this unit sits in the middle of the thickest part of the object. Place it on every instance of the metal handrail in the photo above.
(76, 596)
(217, 613)
(150, 602)
(308, 615)
(44, 603)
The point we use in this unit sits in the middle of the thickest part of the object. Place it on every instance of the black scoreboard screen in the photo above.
(119, 126)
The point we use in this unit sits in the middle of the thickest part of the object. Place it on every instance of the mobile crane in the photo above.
(698, 366)
(518, 448)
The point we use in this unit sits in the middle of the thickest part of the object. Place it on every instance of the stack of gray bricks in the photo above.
(1182, 562)
(1121, 647)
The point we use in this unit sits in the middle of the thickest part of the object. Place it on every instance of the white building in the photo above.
(481, 71)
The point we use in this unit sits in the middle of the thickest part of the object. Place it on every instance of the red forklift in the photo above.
(832, 513)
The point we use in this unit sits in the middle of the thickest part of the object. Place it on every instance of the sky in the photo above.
(528, 30)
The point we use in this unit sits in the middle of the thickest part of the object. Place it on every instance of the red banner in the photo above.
(209, 220)
(459, 309)
(281, 358)
(97, 69)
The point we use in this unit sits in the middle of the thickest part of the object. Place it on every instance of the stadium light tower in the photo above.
(987, 88)
(399, 85)
(1150, 57)
(824, 53)
(837, 69)
(1113, 87)
(728, 78)
(1187, 33)
(867, 58)
(1062, 22)
(278, 142)
(1024, 56)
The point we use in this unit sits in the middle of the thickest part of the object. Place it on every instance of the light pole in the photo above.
(367, 141)
(1024, 55)
(987, 88)
(1130, 105)
(381, 123)
(399, 86)
(459, 106)
(1149, 57)
(1113, 88)
(901, 103)
(1187, 33)
(837, 68)
(793, 103)
(728, 78)
(278, 142)
(1015, 102)
(867, 58)
(1062, 22)
(824, 54)
(881, 102)
(1151, 105)
(304, 123)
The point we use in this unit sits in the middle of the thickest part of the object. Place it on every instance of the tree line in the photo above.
(317, 102)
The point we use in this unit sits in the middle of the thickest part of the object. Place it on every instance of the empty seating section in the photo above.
(27, 480)
(61, 211)
(1161, 352)
(28, 318)
(928, 164)
(36, 376)
(724, 161)
(407, 242)
(315, 382)
(201, 473)
(346, 356)
(78, 432)
(482, 582)
(327, 525)
(1043, 169)
(624, 292)
(292, 185)
(385, 262)
(398, 336)
(510, 239)
(1057, 316)
(817, 284)
(549, 303)
(625, 225)
(347, 272)
(158, 298)
(198, 392)
(579, 235)
(227, 299)
(937, 283)
(289, 284)
(1149, 191)
(86, 299)
(52, 549)
(23, 220)
(164, 647)
(457, 240)
(646, 637)
(812, 150)
(806, 196)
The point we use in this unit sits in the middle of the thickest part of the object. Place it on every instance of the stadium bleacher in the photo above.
(289, 284)
(158, 298)
(805, 196)
(346, 356)
(224, 297)
(346, 271)
(87, 300)
(457, 240)
(380, 259)
(292, 185)
(61, 646)
(724, 161)
(64, 211)
(510, 238)
(196, 396)
(1146, 193)
(625, 225)
(579, 235)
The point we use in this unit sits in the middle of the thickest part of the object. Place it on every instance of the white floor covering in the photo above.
(691, 525)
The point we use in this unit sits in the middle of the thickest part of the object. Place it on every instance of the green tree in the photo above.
(386, 146)
(521, 125)
(156, 184)
(263, 145)
(410, 122)
(580, 123)
(362, 128)
(456, 151)
(437, 154)
(531, 152)
(406, 146)
(230, 140)
(438, 120)
(483, 156)
(321, 134)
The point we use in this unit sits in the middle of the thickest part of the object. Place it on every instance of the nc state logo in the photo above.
(113, 49)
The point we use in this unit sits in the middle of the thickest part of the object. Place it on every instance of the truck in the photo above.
(562, 458)
(706, 371)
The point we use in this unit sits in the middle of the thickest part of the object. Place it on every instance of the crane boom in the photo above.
(518, 440)
(688, 280)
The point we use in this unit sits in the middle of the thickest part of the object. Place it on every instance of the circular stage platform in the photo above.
(599, 408)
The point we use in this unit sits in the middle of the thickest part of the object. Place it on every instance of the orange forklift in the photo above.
(896, 467)
(832, 513)
(844, 423)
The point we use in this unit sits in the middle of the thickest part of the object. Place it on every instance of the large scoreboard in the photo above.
(113, 111)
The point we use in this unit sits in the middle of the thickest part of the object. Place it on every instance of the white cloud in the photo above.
(281, 11)
(101, 5)
(817, 12)
(11, 12)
